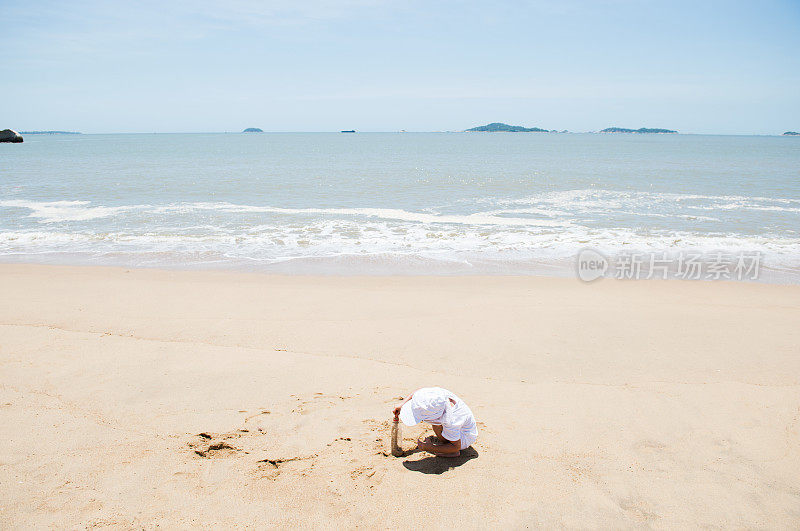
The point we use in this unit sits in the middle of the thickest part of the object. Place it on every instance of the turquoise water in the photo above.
(396, 202)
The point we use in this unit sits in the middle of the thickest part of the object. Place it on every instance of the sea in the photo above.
(402, 203)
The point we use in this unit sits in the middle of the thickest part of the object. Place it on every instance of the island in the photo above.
(252, 130)
(497, 127)
(640, 130)
(791, 133)
(49, 133)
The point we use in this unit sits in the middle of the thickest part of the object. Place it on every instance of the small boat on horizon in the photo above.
(349, 131)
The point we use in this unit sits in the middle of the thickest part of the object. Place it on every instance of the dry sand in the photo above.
(626, 404)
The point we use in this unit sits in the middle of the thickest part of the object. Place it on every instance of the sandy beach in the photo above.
(143, 398)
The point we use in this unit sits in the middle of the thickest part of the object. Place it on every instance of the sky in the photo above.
(727, 67)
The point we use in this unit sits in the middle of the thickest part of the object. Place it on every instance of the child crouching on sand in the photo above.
(452, 421)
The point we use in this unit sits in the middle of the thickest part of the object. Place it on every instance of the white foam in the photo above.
(480, 218)
(58, 211)
(598, 200)
(543, 228)
(557, 207)
(330, 238)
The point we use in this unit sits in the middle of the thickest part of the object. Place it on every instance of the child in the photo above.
(451, 419)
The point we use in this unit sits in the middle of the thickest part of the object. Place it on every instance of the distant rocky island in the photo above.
(498, 127)
(49, 133)
(252, 130)
(791, 133)
(640, 130)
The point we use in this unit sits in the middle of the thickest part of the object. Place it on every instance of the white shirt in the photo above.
(457, 421)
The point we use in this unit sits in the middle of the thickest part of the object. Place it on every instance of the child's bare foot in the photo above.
(430, 443)
(452, 454)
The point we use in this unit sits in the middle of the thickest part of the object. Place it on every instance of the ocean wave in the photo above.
(336, 237)
(549, 226)
(748, 205)
(59, 211)
(554, 212)
(552, 209)
(601, 200)
(478, 218)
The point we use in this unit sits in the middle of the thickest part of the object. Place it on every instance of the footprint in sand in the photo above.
(207, 446)
(637, 509)
(318, 402)
(367, 476)
(649, 446)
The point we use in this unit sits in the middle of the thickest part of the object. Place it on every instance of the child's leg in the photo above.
(437, 429)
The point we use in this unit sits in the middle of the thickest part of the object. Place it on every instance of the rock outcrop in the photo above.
(7, 135)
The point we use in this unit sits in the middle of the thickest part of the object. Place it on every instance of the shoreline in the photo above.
(562, 269)
(613, 403)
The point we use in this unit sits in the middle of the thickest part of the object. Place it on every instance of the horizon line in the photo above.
(36, 132)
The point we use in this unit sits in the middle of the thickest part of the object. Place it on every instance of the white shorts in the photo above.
(468, 439)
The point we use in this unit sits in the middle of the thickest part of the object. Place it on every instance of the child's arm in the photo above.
(396, 410)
